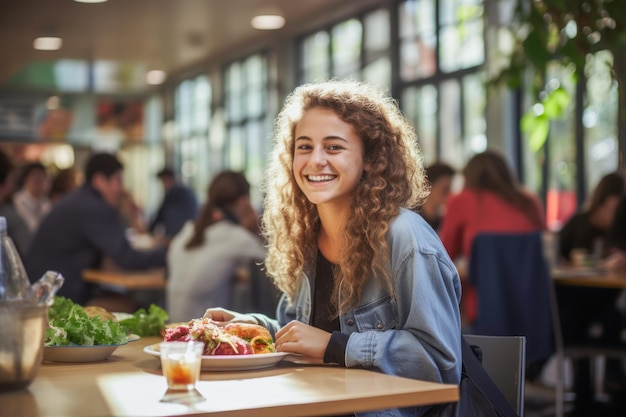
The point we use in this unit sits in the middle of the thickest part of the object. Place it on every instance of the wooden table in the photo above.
(153, 279)
(589, 277)
(130, 383)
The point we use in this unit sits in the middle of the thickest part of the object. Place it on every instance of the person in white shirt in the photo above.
(31, 201)
(204, 257)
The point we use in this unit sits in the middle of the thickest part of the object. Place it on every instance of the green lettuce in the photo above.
(68, 324)
(143, 323)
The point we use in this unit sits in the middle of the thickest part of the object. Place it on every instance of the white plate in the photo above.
(230, 362)
(82, 353)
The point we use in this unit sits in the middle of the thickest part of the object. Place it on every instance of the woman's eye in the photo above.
(334, 148)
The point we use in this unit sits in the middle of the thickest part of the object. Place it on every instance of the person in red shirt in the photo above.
(492, 200)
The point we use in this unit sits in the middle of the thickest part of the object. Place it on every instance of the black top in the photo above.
(321, 314)
(323, 287)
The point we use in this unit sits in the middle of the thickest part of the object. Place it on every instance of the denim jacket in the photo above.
(417, 334)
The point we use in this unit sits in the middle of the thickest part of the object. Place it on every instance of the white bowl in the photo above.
(77, 353)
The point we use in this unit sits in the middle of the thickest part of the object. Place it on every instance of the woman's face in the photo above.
(328, 158)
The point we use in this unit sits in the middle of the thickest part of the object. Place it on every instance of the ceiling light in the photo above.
(268, 22)
(155, 77)
(47, 43)
(90, 1)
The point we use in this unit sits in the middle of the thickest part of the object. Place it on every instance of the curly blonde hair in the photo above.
(395, 179)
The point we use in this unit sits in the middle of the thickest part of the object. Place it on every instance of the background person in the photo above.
(179, 205)
(440, 176)
(17, 229)
(83, 229)
(31, 201)
(616, 239)
(204, 256)
(589, 229)
(366, 281)
(600, 322)
(492, 200)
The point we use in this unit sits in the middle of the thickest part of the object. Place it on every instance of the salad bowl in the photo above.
(79, 353)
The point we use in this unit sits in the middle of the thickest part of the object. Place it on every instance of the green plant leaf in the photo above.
(537, 128)
(556, 102)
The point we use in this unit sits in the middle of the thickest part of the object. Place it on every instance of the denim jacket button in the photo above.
(380, 326)
(350, 322)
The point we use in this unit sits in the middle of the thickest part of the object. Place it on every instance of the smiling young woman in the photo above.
(366, 281)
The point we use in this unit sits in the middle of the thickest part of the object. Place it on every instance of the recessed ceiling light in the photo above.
(47, 43)
(268, 22)
(155, 77)
(90, 1)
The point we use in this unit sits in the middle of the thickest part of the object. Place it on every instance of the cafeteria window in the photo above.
(441, 77)
(192, 124)
(357, 48)
(247, 128)
(439, 45)
(572, 160)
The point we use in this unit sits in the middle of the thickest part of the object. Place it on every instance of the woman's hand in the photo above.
(222, 316)
(297, 337)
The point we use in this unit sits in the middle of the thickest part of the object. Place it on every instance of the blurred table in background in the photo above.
(126, 291)
(589, 277)
(152, 279)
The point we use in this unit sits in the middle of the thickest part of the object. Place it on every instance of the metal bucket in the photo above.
(22, 334)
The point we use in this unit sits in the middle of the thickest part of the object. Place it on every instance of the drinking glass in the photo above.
(181, 362)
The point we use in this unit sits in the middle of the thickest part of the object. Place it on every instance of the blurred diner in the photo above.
(206, 258)
(178, 206)
(587, 232)
(31, 200)
(440, 176)
(492, 200)
(616, 238)
(17, 228)
(584, 242)
(83, 230)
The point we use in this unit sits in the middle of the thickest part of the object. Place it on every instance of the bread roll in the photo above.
(95, 311)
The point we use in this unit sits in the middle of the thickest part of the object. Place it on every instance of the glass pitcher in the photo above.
(14, 283)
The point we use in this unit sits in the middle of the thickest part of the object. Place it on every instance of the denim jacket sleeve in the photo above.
(417, 335)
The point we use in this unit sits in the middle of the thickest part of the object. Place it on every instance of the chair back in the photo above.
(264, 294)
(504, 360)
(512, 281)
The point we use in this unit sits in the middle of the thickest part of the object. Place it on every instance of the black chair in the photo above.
(264, 295)
(504, 359)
